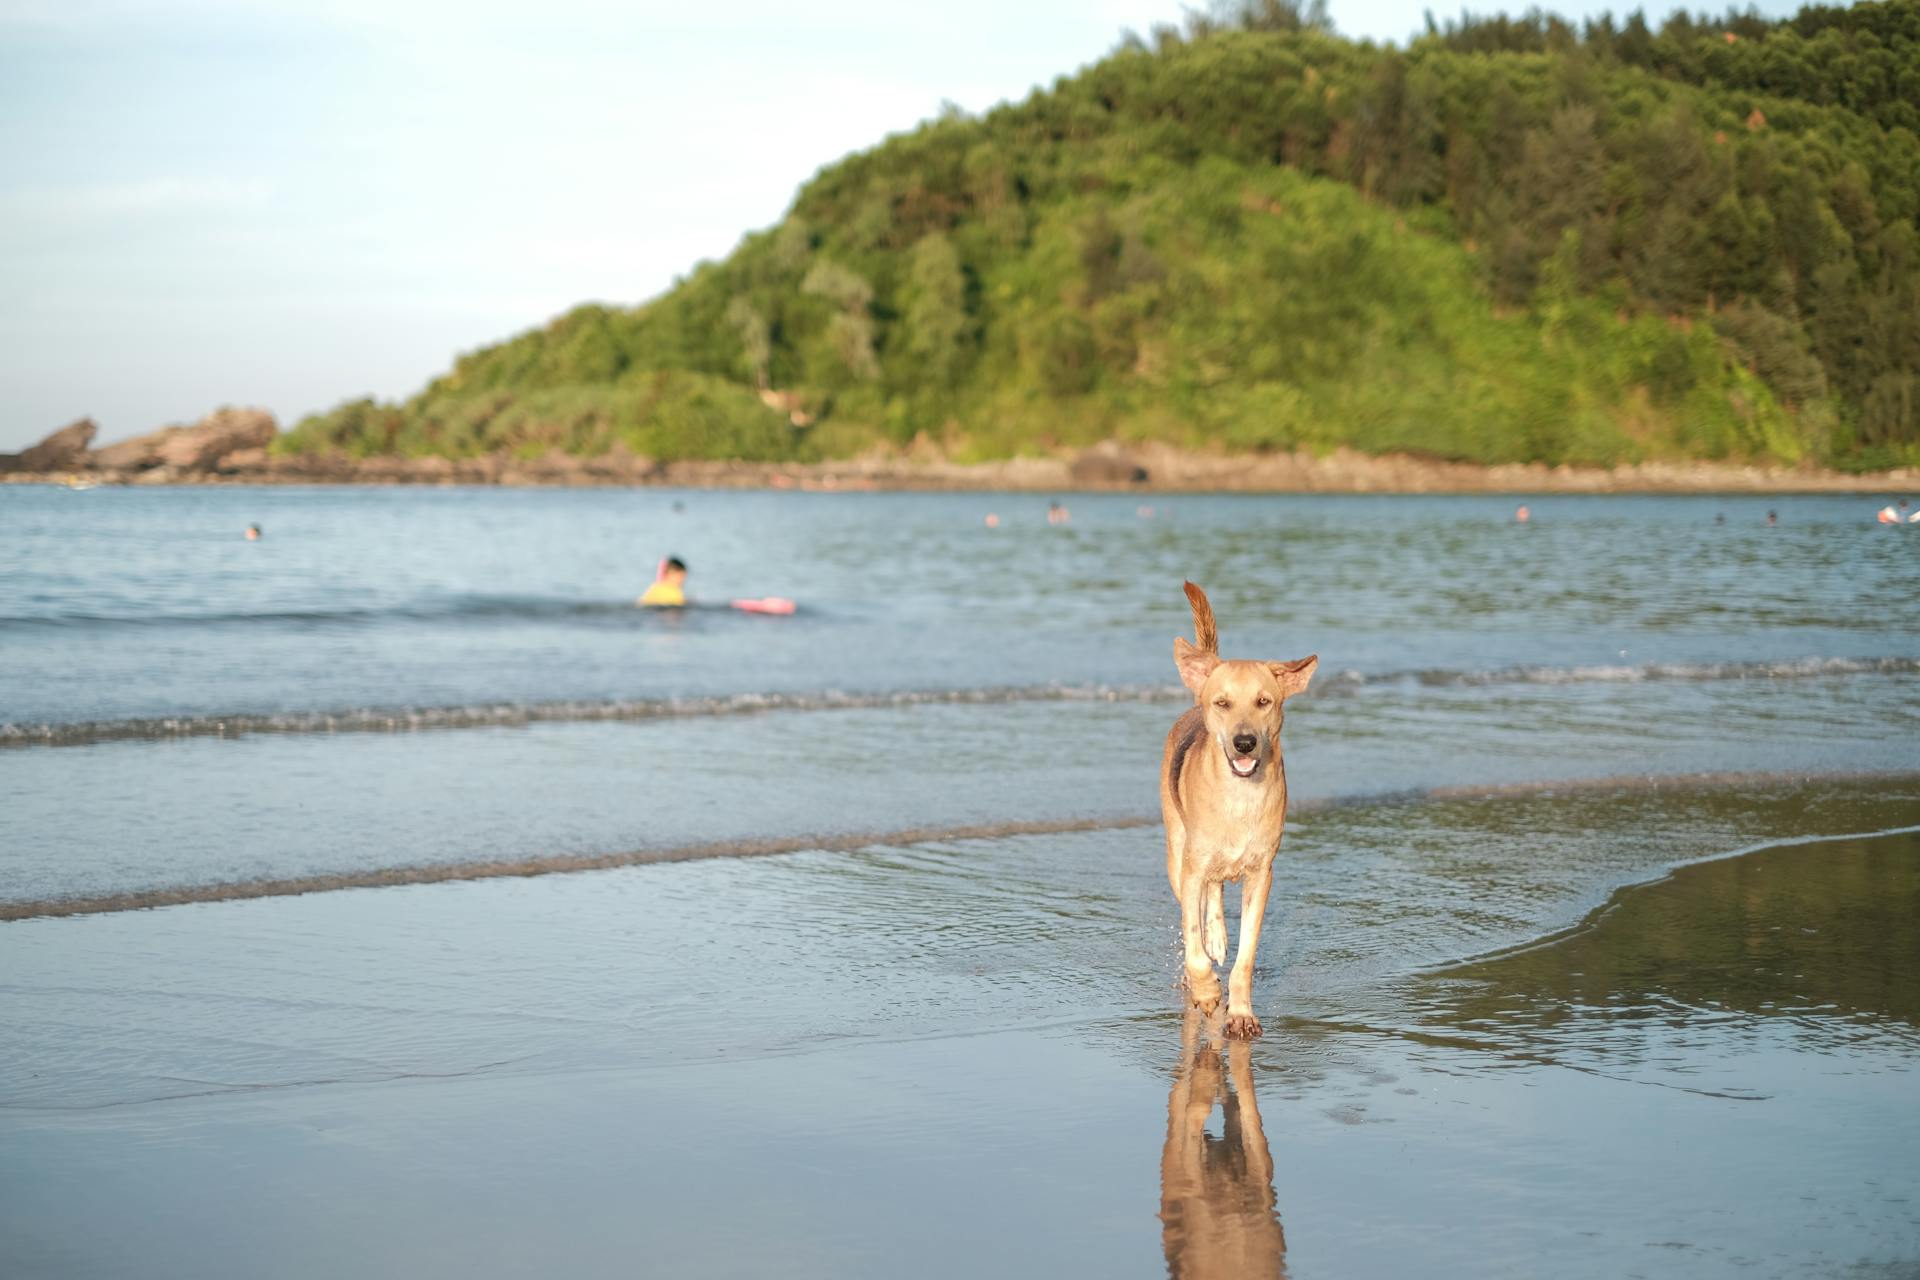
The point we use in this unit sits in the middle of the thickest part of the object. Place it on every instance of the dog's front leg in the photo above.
(1203, 988)
(1253, 909)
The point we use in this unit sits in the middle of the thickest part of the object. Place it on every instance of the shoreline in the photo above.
(533, 866)
(1145, 468)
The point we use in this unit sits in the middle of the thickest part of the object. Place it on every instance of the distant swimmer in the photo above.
(253, 533)
(1887, 515)
(1057, 514)
(669, 589)
(993, 520)
(1772, 519)
(1521, 515)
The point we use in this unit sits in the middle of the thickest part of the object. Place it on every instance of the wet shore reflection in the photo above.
(1217, 1210)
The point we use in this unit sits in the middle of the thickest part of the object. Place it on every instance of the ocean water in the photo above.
(396, 860)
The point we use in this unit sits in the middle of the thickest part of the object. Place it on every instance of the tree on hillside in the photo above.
(934, 316)
(851, 328)
(755, 342)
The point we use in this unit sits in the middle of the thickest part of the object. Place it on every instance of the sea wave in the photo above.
(408, 719)
(450, 608)
(1809, 668)
(847, 842)
(512, 714)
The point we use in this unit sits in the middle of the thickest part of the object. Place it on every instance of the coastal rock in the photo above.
(199, 447)
(307, 468)
(1106, 463)
(65, 448)
(220, 433)
(136, 454)
(246, 460)
(552, 467)
(622, 465)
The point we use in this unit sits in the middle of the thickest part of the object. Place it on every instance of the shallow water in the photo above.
(825, 1063)
(1514, 1024)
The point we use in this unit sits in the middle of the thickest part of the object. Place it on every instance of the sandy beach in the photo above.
(491, 1077)
(699, 646)
(388, 895)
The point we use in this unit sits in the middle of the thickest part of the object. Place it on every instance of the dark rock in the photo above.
(199, 447)
(224, 431)
(1106, 464)
(136, 454)
(61, 451)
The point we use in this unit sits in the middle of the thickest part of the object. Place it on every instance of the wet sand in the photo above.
(967, 1057)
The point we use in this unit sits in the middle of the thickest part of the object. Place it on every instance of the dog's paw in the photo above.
(1207, 1005)
(1243, 1026)
(1203, 992)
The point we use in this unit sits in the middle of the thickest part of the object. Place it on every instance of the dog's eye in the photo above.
(1222, 703)
(1263, 701)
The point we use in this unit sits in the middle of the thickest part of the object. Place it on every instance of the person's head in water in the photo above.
(253, 533)
(669, 583)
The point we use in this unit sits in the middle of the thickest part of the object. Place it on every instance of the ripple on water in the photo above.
(796, 952)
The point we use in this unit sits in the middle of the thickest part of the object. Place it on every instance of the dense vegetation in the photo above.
(1514, 240)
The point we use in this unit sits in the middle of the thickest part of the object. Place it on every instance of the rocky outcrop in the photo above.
(1107, 464)
(136, 454)
(220, 433)
(64, 450)
(230, 447)
(187, 450)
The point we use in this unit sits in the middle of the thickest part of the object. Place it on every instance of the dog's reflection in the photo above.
(1216, 1194)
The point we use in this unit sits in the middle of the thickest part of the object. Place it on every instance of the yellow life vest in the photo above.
(664, 593)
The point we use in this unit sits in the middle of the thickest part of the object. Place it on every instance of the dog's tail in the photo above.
(1206, 634)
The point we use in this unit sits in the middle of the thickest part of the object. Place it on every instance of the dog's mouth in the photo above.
(1243, 766)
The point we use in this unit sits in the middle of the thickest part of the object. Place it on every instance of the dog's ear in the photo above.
(1293, 676)
(1195, 664)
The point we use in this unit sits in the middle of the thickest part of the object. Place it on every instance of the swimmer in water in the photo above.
(669, 589)
(253, 533)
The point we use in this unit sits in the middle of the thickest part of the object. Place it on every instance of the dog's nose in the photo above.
(1244, 743)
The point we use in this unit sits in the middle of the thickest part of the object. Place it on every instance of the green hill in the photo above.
(1513, 241)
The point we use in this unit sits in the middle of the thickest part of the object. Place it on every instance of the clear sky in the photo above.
(208, 202)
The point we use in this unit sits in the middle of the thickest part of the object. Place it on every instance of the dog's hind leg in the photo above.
(1216, 923)
(1176, 851)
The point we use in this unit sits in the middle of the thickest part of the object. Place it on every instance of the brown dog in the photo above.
(1223, 792)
